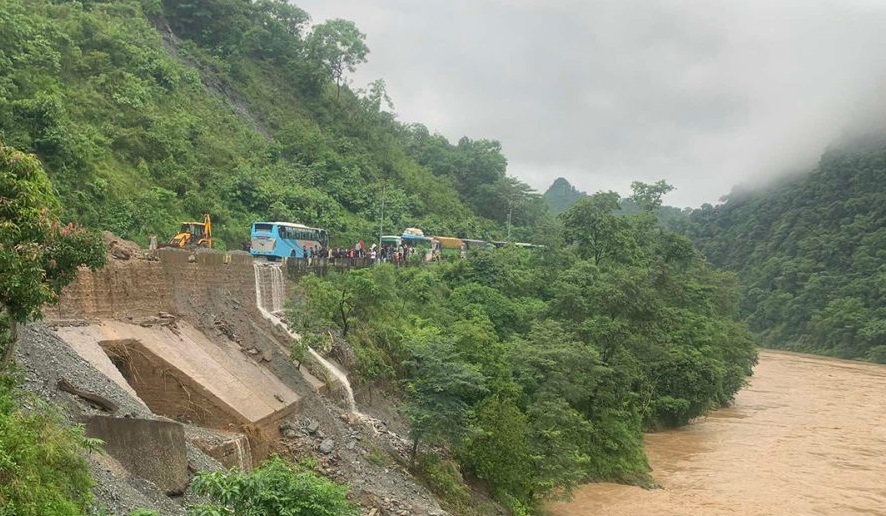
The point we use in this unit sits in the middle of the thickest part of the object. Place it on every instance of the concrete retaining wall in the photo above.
(153, 450)
(177, 281)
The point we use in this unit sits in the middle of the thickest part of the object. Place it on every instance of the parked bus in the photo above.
(451, 246)
(477, 244)
(417, 241)
(391, 241)
(416, 238)
(525, 245)
(275, 240)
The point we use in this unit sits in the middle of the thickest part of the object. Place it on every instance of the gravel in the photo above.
(338, 440)
(44, 358)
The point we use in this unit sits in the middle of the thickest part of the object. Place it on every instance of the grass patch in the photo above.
(377, 457)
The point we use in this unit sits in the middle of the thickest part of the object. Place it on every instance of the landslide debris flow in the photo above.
(140, 296)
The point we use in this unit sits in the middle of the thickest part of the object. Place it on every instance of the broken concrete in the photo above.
(215, 293)
(182, 375)
(231, 450)
(149, 449)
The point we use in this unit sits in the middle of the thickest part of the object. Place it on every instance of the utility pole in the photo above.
(510, 209)
(381, 219)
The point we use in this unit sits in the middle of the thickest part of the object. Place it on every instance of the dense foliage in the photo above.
(37, 255)
(539, 369)
(42, 465)
(810, 253)
(276, 488)
(146, 113)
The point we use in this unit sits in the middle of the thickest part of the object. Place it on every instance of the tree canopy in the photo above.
(38, 256)
(810, 254)
(540, 369)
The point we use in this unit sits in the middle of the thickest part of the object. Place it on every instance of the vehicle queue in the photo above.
(278, 240)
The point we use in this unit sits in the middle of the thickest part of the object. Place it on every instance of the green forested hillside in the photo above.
(811, 254)
(533, 370)
(540, 369)
(561, 195)
(147, 112)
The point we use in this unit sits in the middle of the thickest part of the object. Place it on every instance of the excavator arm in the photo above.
(207, 232)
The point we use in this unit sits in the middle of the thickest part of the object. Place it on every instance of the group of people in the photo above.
(388, 253)
(395, 254)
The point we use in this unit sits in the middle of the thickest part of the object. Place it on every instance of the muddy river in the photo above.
(808, 436)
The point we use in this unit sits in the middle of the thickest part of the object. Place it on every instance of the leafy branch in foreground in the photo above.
(38, 256)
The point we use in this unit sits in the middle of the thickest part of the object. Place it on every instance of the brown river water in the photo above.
(806, 437)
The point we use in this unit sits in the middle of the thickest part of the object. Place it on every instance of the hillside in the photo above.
(148, 112)
(810, 255)
(496, 380)
(561, 195)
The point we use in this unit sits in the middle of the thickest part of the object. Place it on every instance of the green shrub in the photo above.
(42, 465)
(444, 479)
(277, 488)
(377, 457)
(140, 511)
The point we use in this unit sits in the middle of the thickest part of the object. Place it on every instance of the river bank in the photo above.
(807, 436)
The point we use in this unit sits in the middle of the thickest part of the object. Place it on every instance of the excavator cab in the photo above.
(193, 234)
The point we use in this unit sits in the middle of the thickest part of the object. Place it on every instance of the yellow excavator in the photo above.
(193, 234)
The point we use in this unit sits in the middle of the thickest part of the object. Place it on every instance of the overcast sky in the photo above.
(703, 93)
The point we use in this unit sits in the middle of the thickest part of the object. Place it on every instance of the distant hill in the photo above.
(810, 254)
(561, 195)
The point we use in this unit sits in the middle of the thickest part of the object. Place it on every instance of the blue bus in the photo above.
(415, 237)
(275, 240)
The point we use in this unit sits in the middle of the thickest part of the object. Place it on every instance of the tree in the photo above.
(439, 392)
(497, 450)
(556, 434)
(38, 256)
(276, 31)
(339, 47)
(340, 299)
(376, 100)
(478, 163)
(649, 196)
(592, 226)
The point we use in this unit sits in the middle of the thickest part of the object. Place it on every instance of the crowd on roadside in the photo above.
(396, 254)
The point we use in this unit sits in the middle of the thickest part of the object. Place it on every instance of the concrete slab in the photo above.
(82, 340)
(231, 450)
(317, 385)
(221, 374)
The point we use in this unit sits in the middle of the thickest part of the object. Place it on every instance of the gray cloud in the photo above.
(704, 93)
